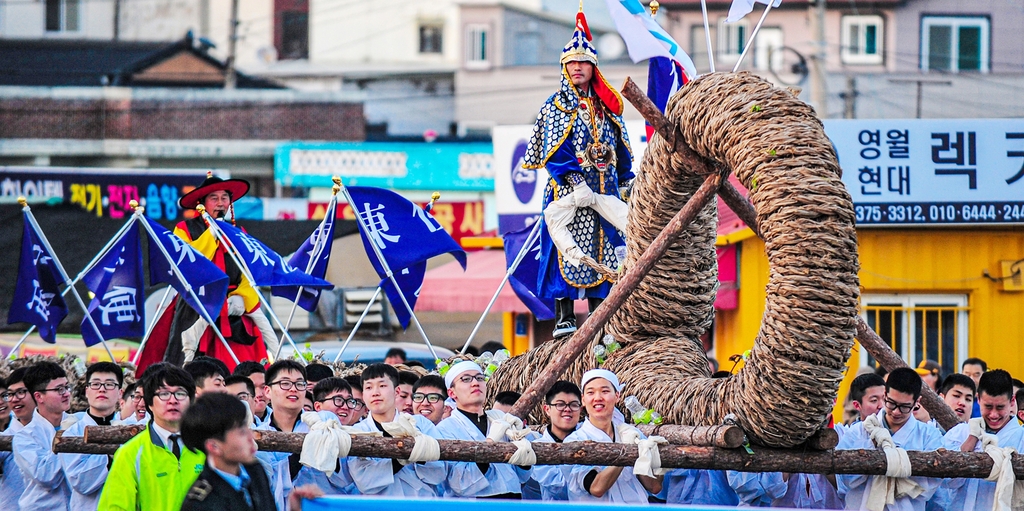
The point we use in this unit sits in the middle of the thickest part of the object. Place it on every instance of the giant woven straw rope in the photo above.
(779, 151)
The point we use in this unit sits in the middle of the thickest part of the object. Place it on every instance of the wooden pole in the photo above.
(571, 350)
(77, 445)
(726, 435)
(939, 463)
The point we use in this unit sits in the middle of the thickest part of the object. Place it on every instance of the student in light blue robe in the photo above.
(562, 405)
(902, 391)
(46, 488)
(618, 485)
(383, 476)
(757, 489)
(699, 487)
(285, 388)
(995, 399)
(467, 385)
(86, 473)
(12, 484)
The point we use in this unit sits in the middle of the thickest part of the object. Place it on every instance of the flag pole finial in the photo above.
(134, 204)
(655, 5)
(337, 184)
(22, 201)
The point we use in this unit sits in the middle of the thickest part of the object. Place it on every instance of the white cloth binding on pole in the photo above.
(425, 447)
(896, 482)
(326, 442)
(648, 460)
(505, 424)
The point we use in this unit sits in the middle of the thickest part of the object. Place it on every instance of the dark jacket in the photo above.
(211, 492)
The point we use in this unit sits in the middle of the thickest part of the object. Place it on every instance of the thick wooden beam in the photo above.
(111, 434)
(726, 435)
(666, 129)
(571, 350)
(939, 463)
(76, 444)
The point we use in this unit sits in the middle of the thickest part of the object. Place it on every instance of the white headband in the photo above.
(601, 373)
(458, 369)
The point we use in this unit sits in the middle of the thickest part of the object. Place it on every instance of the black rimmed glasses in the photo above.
(20, 394)
(105, 385)
(430, 398)
(469, 379)
(902, 407)
(560, 406)
(289, 385)
(341, 401)
(165, 395)
(59, 389)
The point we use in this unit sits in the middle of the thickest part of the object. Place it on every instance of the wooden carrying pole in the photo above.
(941, 463)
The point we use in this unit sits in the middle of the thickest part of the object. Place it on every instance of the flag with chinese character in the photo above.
(405, 235)
(209, 283)
(268, 268)
(118, 305)
(524, 279)
(37, 297)
(313, 256)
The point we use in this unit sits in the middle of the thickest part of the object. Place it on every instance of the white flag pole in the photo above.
(387, 270)
(359, 322)
(152, 324)
(232, 251)
(80, 276)
(64, 274)
(707, 34)
(318, 248)
(188, 287)
(753, 35)
(530, 239)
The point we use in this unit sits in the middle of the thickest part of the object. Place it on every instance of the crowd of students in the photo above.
(198, 452)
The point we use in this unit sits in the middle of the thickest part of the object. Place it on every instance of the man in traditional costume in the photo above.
(581, 139)
(181, 333)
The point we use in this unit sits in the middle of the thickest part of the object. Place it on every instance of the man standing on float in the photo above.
(581, 139)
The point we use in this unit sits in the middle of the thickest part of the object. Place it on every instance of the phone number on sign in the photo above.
(940, 213)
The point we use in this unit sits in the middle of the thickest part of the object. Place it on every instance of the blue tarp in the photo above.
(339, 503)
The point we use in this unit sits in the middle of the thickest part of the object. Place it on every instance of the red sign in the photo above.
(460, 219)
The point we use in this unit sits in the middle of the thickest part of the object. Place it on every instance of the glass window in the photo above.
(862, 40)
(431, 38)
(920, 327)
(62, 15)
(294, 35)
(477, 54)
(955, 43)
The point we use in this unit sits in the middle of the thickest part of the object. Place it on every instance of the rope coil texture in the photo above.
(778, 150)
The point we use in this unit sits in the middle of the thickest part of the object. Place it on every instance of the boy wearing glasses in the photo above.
(467, 385)
(86, 473)
(12, 485)
(380, 476)
(154, 470)
(332, 395)
(428, 397)
(562, 405)
(902, 391)
(286, 389)
(45, 484)
(995, 398)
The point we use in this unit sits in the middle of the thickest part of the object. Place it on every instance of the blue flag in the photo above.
(37, 297)
(313, 254)
(268, 268)
(411, 281)
(524, 278)
(118, 307)
(664, 77)
(208, 282)
(406, 236)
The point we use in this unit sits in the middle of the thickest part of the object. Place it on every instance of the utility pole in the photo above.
(117, 19)
(230, 77)
(850, 98)
(920, 86)
(819, 89)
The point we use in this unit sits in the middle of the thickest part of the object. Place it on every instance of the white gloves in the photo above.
(582, 195)
(236, 305)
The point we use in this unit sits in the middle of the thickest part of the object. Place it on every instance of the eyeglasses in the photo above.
(105, 385)
(59, 389)
(347, 402)
(244, 396)
(431, 398)
(903, 408)
(137, 398)
(469, 379)
(289, 385)
(20, 394)
(165, 395)
(573, 406)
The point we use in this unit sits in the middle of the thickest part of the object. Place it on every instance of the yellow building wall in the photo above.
(911, 261)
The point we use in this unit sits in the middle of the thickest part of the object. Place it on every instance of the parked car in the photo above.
(370, 352)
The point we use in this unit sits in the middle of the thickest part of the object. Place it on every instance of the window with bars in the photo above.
(920, 327)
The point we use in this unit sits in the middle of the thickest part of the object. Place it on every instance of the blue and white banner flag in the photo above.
(206, 279)
(313, 255)
(37, 298)
(406, 236)
(644, 37)
(119, 302)
(411, 281)
(267, 267)
(741, 8)
(524, 278)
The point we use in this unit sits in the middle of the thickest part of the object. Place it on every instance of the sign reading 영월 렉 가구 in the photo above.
(932, 171)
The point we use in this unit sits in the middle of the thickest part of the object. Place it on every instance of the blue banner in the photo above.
(314, 255)
(405, 235)
(37, 297)
(267, 267)
(208, 282)
(524, 279)
(118, 307)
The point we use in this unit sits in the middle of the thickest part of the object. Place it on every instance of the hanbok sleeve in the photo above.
(854, 438)
(755, 488)
(371, 475)
(563, 162)
(86, 473)
(930, 440)
(952, 441)
(33, 454)
(464, 478)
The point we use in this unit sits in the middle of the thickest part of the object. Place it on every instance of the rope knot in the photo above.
(425, 447)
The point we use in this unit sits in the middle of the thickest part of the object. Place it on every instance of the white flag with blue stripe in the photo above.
(741, 8)
(644, 37)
